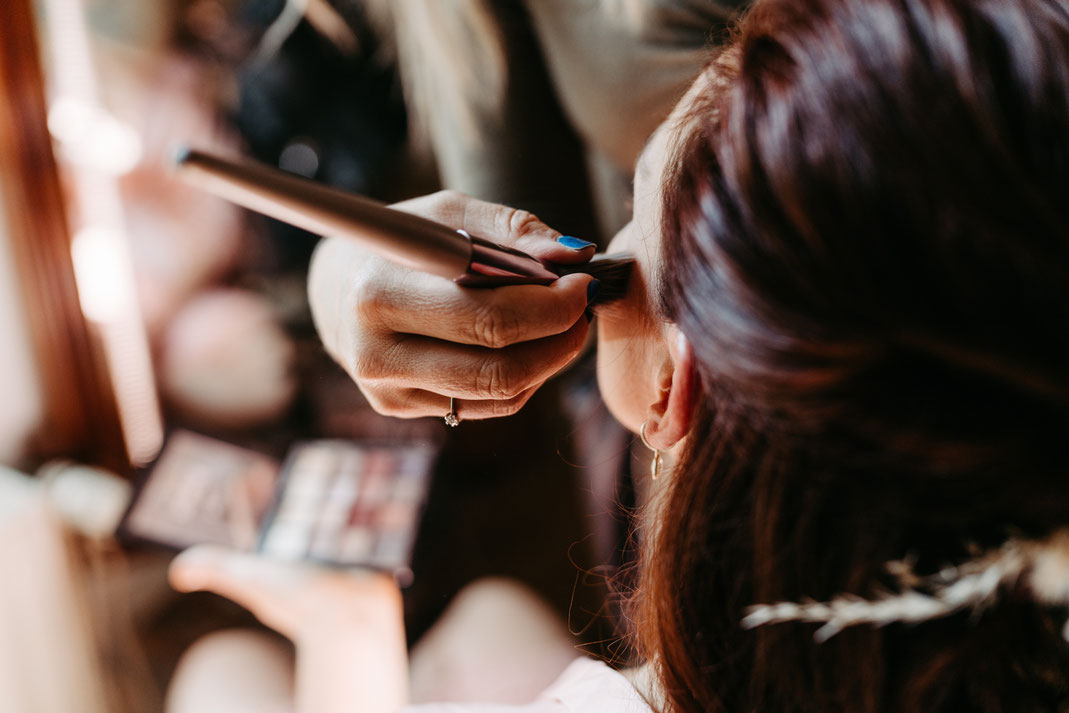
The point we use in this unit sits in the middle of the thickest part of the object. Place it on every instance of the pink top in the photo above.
(586, 686)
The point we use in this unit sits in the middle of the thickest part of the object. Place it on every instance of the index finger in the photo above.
(502, 224)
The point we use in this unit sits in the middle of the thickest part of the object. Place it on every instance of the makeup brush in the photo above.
(406, 239)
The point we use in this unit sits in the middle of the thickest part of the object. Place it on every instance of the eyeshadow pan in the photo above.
(349, 503)
(202, 490)
(286, 541)
(357, 545)
(325, 543)
(409, 487)
(392, 547)
(394, 516)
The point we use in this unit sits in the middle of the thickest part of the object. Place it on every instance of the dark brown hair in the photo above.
(866, 242)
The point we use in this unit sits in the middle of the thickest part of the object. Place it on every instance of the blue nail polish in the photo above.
(574, 243)
(592, 289)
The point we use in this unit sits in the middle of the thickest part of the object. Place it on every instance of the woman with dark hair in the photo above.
(846, 342)
(866, 243)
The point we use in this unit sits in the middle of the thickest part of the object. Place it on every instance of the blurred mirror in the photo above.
(200, 308)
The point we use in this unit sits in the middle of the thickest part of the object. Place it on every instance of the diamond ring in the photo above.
(451, 418)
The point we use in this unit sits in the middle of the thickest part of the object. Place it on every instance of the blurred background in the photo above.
(133, 308)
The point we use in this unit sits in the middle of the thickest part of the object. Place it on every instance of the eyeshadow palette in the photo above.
(347, 503)
(337, 502)
(201, 490)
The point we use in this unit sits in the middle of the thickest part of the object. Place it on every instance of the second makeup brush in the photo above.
(400, 237)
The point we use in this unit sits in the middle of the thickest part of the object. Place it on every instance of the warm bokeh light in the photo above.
(97, 148)
(87, 135)
(104, 285)
(108, 298)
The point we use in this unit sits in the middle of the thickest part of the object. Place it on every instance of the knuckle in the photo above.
(369, 301)
(378, 362)
(494, 327)
(367, 368)
(394, 409)
(448, 196)
(564, 314)
(378, 400)
(396, 402)
(509, 407)
(496, 381)
(448, 205)
(523, 223)
(387, 404)
(443, 206)
(517, 224)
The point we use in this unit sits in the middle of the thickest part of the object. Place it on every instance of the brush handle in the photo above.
(492, 265)
(400, 237)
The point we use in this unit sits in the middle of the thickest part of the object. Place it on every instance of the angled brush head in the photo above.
(613, 271)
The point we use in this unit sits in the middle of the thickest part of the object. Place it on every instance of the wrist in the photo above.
(355, 657)
(363, 605)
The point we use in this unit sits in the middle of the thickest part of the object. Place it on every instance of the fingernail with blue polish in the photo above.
(592, 289)
(574, 243)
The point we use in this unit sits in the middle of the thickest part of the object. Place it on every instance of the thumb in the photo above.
(265, 587)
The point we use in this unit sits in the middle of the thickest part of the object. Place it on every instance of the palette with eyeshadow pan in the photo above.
(350, 504)
(201, 490)
(336, 502)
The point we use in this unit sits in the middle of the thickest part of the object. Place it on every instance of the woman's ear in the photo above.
(669, 419)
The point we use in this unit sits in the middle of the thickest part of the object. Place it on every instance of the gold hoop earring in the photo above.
(658, 460)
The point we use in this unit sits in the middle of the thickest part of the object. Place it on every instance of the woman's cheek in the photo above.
(624, 371)
(627, 339)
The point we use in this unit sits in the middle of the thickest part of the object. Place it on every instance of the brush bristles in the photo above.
(613, 271)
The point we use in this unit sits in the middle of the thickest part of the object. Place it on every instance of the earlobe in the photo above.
(670, 418)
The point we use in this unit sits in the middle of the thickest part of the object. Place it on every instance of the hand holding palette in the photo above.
(336, 502)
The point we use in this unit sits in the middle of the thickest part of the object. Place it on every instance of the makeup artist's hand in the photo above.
(347, 625)
(411, 340)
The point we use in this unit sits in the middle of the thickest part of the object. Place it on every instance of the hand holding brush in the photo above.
(412, 341)
(411, 240)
